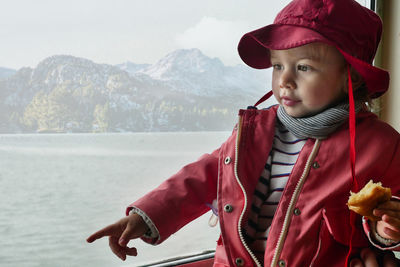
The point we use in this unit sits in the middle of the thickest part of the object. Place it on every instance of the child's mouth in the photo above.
(289, 102)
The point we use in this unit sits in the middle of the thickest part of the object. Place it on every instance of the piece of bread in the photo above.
(368, 198)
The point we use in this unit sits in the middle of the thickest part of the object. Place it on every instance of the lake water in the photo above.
(55, 190)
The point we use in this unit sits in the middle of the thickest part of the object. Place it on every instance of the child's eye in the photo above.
(277, 66)
(303, 68)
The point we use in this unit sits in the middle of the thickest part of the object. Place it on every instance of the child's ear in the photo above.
(356, 80)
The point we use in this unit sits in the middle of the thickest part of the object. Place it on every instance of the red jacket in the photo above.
(311, 225)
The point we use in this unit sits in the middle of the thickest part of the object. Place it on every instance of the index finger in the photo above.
(389, 260)
(369, 257)
(110, 230)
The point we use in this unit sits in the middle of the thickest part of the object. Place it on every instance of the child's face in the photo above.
(308, 79)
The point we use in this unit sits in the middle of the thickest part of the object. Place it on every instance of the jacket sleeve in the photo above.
(390, 179)
(181, 198)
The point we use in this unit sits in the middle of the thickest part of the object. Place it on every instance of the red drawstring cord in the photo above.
(352, 131)
(265, 97)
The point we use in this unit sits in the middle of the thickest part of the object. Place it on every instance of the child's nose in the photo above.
(286, 80)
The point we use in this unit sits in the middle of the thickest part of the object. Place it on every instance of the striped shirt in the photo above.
(285, 150)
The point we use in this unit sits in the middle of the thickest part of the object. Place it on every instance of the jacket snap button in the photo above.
(281, 263)
(297, 211)
(315, 165)
(239, 262)
(228, 160)
(228, 208)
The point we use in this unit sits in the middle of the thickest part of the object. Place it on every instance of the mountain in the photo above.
(184, 91)
(6, 72)
(190, 71)
(131, 67)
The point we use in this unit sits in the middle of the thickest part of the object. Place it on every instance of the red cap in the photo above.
(353, 29)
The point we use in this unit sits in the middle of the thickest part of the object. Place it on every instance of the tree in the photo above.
(101, 117)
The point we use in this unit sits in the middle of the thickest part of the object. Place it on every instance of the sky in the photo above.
(116, 31)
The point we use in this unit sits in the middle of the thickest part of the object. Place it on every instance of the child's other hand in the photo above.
(371, 258)
(389, 225)
(120, 233)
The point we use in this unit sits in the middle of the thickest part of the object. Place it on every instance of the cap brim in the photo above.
(376, 79)
(254, 46)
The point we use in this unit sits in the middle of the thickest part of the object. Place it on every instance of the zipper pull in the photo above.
(213, 221)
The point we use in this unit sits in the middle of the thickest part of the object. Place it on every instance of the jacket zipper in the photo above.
(239, 131)
(292, 203)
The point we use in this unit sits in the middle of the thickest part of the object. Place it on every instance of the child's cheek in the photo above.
(275, 91)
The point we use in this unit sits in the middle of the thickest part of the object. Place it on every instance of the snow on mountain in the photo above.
(183, 62)
(62, 68)
(131, 67)
(190, 71)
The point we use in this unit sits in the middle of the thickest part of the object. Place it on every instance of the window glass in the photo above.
(103, 100)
